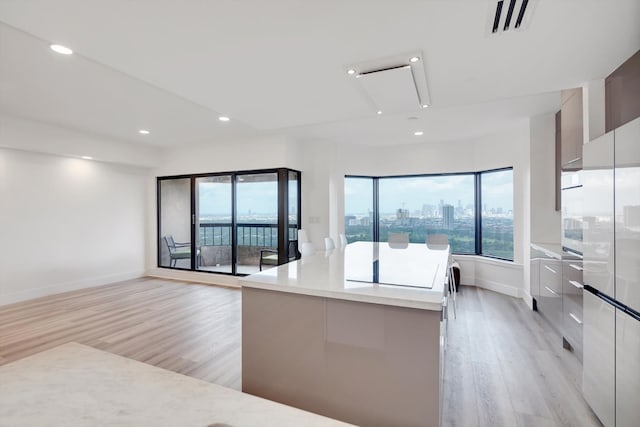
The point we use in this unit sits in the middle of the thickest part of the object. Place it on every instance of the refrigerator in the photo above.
(611, 298)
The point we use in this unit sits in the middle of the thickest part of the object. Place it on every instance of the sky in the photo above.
(414, 192)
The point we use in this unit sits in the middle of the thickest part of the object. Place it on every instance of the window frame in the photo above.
(477, 204)
(282, 175)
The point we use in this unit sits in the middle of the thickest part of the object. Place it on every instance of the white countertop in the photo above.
(327, 275)
(551, 250)
(75, 385)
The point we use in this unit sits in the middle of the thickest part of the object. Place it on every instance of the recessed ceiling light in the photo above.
(87, 157)
(224, 118)
(414, 59)
(418, 133)
(144, 132)
(425, 106)
(379, 112)
(61, 49)
(351, 71)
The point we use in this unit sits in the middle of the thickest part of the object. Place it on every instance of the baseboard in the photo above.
(28, 294)
(499, 287)
(194, 276)
(527, 298)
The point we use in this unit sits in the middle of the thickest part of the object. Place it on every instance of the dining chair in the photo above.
(307, 249)
(302, 237)
(398, 240)
(439, 240)
(329, 244)
(343, 241)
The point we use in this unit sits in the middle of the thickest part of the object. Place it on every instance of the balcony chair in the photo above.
(269, 256)
(178, 251)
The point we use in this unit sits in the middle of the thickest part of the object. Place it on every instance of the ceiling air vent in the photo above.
(395, 84)
(509, 14)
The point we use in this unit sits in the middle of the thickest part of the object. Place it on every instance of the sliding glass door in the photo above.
(174, 227)
(214, 217)
(232, 223)
(257, 221)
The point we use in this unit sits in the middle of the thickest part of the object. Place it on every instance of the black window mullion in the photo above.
(283, 215)
(478, 196)
(193, 223)
(234, 225)
(376, 211)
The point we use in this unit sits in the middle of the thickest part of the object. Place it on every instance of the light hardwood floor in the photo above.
(504, 366)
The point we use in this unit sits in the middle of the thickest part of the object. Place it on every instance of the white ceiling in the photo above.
(279, 66)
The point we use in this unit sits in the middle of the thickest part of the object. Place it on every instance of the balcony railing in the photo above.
(247, 234)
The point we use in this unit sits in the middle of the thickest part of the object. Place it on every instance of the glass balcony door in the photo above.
(174, 227)
(214, 221)
(256, 221)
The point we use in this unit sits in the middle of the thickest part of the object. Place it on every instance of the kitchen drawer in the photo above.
(551, 275)
(550, 306)
(572, 325)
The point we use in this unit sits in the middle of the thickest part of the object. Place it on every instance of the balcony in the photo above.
(215, 245)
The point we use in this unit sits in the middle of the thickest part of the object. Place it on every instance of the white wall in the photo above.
(545, 220)
(67, 223)
(28, 135)
(326, 164)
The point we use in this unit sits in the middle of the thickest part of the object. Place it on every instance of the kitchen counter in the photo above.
(76, 385)
(346, 275)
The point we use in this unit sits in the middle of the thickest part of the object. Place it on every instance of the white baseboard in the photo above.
(194, 276)
(499, 287)
(58, 288)
(528, 299)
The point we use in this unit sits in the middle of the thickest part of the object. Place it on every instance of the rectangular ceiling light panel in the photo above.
(392, 90)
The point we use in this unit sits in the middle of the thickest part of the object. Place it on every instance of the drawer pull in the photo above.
(551, 290)
(576, 267)
(550, 269)
(576, 284)
(574, 317)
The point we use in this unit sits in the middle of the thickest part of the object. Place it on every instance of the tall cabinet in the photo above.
(611, 364)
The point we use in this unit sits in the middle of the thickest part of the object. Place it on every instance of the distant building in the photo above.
(447, 217)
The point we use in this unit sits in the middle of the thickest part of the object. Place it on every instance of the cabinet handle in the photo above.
(552, 291)
(576, 284)
(550, 269)
(573, 161)
(576, 267)
(574, 317)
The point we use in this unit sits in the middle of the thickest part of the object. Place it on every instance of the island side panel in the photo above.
(283, 350)
(368, 364)
(383, 364)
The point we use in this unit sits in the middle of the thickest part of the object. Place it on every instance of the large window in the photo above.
(427, 204)
(233, 223)
(496, 191)
(358, 208)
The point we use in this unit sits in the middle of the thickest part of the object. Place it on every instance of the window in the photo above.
(426, 204)
(496, 195)
(358, 208)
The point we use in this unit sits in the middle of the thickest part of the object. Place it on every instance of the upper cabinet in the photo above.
(571, 132)
(622, 94)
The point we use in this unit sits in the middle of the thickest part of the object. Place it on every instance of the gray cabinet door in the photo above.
(627, 370)
(598, 219)
(598, 375)
(627, 214)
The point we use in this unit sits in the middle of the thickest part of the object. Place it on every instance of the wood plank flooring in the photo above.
(187, 328)
(504, 366)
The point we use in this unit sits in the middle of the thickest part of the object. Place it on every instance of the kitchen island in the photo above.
(354, 334)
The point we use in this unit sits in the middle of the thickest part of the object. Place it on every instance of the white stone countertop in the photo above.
(75, 385)
(551, 250)
(346, 274)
